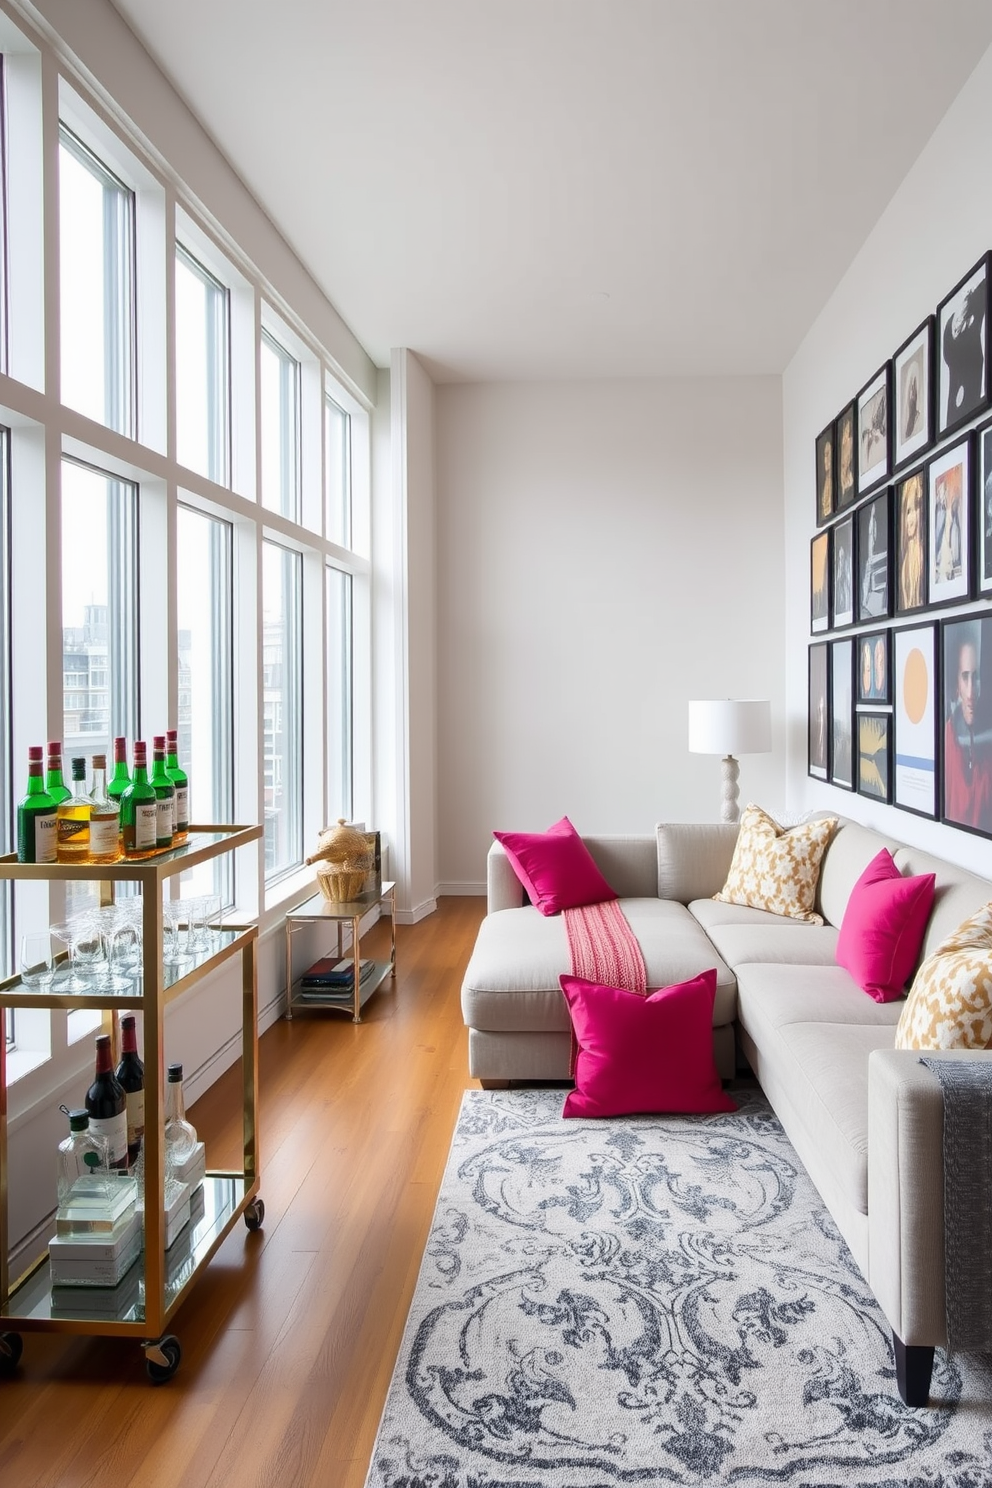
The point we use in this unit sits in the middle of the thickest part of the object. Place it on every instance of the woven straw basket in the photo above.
(343, 860)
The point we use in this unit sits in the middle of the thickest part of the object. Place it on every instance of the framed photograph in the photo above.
(949, 524)
(963, 367)
(983, 511)
(873, 401)
(842, 713)
(842, 574)
(872, 668)
(819, 582)
(914, 719)
(966, 776)
(912, 395)
(875, 756)
(825, 475)
(845, 449)
(818, 750)
(873, 598)
(910, 574)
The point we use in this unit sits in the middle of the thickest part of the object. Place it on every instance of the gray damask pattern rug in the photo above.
(653, 1300)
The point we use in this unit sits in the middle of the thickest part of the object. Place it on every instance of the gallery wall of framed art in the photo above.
(900, 656)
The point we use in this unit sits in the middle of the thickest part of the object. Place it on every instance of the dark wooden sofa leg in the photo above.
(914, 1366)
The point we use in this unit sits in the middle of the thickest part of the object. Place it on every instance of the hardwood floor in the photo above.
(290, 1334)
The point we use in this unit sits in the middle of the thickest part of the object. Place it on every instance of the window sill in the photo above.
(21, 1062)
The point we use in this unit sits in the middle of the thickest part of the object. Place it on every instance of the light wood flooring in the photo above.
(290, 1334)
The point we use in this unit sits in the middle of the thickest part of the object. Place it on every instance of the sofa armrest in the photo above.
(906, 1191)
(503, 888)
(694, 858)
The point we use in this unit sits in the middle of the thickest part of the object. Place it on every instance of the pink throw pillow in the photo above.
(555, 867)
(883, 926)
(637, 1053)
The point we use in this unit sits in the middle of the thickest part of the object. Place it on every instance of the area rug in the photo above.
(654, 1300)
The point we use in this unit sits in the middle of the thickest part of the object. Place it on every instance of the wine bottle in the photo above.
(131, 1078)
(54, 784)
(180, 780)
(105, 817)
(106, 1105)
(139, 809)
(73, 819)
(120, 780)
(36, 816)
(180, 1134)
(165, 794)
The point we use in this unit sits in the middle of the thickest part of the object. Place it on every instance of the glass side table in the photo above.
(355, 990)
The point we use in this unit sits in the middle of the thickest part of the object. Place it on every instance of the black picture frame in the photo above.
(913, 396)
(962, 351)
(846, 457)
(915, 693)
(875, 756)
(873, 552)
(909, 520)
(842, 713)
(818, 712)
(819, 582)
(949, 511)
(842, 573)
(825, 472)
(874, 403)
(872, 668)
(983, 510)
(966, 722)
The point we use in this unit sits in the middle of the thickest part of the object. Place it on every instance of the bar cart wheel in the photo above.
(254, 1214)
(162, 1358)
(11, 1348)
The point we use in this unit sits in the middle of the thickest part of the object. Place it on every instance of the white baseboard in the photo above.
(417, 913)
(462, 890)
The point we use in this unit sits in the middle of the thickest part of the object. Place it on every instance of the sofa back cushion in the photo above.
(851, 848)
(957, 896)
(694, 859)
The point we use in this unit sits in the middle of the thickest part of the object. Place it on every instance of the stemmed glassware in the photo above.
(81, 935)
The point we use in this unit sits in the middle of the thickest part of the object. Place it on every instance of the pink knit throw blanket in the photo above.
(604, 948)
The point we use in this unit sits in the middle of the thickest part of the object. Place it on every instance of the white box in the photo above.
(96, 1246)
(177, 1209)
(192, 1171)
(85, 1271)
(107, 1302)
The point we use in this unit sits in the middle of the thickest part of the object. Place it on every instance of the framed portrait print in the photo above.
(983, 511)
(914, 719)
(825, 475)
(966, 755)
(912, 395)
(818, 747)
(872, 668)
(846, 452)
(819, 582)
(842, 713)
(962, 351)
(842, 574)
(949, 524)
(875, 756)
(873, 404)
(872, 547)
(910, 572)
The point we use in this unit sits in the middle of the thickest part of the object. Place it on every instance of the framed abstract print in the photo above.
(913, 396)
(872, 671)
(819, 582)
(910, 572)
(842, 713)
(983, 511)
(874, 407)
(949, 524)
(962, 351)
(875, 756)
(873, 548)
(914, 719)
(825, 475)
(846, 452)
(818, 735)
(966, 754)
(842, 574)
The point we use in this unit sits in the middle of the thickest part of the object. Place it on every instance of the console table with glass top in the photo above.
(318, 910)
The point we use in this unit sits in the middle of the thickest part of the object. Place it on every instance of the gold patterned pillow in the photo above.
(775, 868)
(950, 1002)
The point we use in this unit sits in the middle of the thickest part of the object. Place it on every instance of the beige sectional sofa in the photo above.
(866, 1119)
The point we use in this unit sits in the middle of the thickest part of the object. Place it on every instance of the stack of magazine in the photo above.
(330, 980)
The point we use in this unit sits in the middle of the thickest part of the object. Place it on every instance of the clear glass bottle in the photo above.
(36, 815)
(180, 780)
(73, 819)
(165, 794)
(180, 1134)
(105, 817)
(84, 1162)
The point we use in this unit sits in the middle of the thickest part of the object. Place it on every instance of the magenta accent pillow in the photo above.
(883, 926)
(555, 867)
(637, 1053)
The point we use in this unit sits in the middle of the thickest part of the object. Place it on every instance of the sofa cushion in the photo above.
(882, 928)
(694, 859)
(950, 1002)
(775, 868)
(790, 943)
(957, 895)
(711, 912)
(771, 996)
(851, 849)
(555, 867)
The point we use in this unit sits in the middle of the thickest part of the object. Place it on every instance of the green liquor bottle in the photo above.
(54, 783)
(180, 780)
(36, 830)
(139, 809)
(120, 780)
(165, 794)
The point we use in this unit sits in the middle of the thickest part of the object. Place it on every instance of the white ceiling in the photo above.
(556, 188)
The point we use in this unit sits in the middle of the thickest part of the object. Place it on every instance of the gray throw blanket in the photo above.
(967, 1091)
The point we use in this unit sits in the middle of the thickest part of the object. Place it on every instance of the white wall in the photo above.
(606, 551)
(931, 233)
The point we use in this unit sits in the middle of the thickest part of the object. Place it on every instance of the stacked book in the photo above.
(329, 980)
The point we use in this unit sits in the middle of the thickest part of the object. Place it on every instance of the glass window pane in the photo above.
(340, 793)
(202, 342)
(96, 256)
(337, 436)
(282, 708)
(205, 720)
(6, 791)
(280, 399)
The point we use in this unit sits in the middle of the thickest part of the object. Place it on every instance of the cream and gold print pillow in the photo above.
(950, 1002)
(775, 868)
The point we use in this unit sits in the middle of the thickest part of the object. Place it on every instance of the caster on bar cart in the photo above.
(11, 1348)
(254, 1214)
(162, 1358)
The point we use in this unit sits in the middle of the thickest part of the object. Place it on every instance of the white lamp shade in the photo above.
(730, 726)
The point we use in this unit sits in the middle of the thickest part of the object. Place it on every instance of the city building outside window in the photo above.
(282, 708)
(340, 710)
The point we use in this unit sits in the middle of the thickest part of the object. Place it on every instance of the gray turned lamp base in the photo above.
(730, 790)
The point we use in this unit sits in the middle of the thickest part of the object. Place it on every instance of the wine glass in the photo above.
(175, 951)
(82, 939)
(115, 928)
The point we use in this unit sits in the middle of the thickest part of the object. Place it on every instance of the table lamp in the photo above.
(728, 727)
